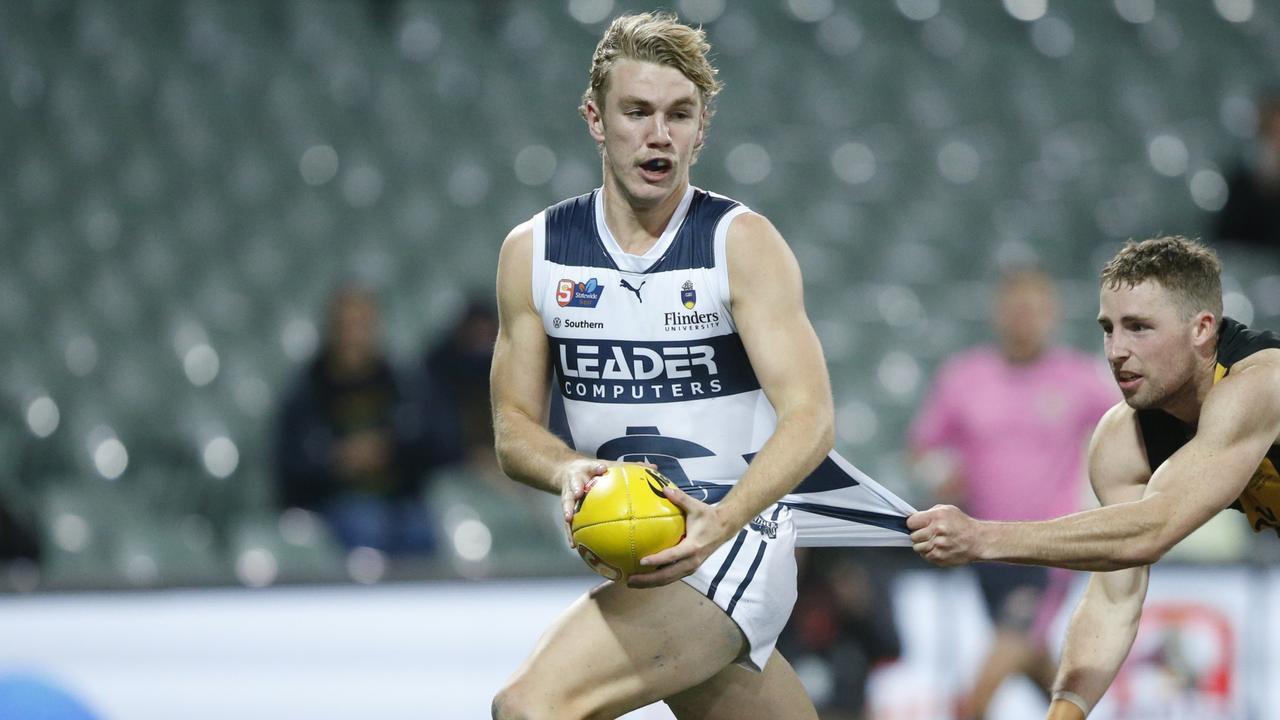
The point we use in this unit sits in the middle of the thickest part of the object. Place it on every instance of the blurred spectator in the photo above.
(459, 366)
(16, 539)
(841, 627)
(1252, 212)
(354, 444)
(1003, 433)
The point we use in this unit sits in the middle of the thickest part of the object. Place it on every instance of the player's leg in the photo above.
(1013, 595)
(1042, 668)
(736, 693)
(617, 649)
(360, 520)
(758, 589)
(1008, 654)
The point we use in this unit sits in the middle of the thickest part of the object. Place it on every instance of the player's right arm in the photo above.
(1239, 421)
(518, 382)
(1105, 621)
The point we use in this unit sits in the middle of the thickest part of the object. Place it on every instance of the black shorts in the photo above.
(1013, 593)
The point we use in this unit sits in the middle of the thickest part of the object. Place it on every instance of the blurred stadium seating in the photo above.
(188, 180)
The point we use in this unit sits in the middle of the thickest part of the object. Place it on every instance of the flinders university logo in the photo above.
(687, 295)
(579, 294)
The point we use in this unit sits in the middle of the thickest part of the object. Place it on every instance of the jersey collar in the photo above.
(639, 263)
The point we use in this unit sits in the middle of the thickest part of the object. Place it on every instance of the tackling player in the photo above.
(1197, 433)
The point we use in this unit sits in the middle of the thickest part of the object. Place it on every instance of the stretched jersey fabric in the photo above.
(649, 367)
(1163, 434)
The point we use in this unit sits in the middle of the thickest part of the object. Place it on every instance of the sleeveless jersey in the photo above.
(1163, 434)
(649, 367)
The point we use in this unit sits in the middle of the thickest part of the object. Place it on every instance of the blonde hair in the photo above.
(1187, 269)
(658, 38)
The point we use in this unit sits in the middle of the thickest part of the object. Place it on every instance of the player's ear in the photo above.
(595, 120)
(1205, 331)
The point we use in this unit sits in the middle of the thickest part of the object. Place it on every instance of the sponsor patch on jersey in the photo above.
(688, 296)
(614, 371)
(579, 294)
(690, 321)
(578, 324)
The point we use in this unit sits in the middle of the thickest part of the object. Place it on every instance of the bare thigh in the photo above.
(736, 693)
(617, 649)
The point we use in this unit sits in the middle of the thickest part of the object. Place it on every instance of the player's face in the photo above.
(649, 128)
(1148, 343)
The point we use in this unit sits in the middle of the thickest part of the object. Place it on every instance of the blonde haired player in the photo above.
(1197, 433)
(669, 323)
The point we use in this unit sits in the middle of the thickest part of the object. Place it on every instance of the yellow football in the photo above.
(624, 517)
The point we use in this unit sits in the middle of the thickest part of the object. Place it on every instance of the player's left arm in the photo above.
(768, 306)
(1239, 421)
(767, 296)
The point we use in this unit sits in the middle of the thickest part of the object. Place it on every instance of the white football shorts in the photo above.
(753, 579)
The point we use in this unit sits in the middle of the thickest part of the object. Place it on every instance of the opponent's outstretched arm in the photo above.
(768, 308)
(1105, 621)
(1239, 421)
(1099, 637)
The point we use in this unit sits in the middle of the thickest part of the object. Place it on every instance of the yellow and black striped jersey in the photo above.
(1163, 434)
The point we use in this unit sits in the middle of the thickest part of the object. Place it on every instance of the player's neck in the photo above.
(637, 226)
(1186, 403)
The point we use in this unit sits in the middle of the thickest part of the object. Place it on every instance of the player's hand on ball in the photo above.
(705, 530)
(945, 536)
(574, 477)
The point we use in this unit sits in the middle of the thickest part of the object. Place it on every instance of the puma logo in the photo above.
(635, 290)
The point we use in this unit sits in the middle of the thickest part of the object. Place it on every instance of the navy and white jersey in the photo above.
(649, 366)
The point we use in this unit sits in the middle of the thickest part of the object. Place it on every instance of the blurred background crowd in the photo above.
(246, 303)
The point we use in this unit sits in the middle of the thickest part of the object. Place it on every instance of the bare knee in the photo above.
(511, 704)
(521, 702)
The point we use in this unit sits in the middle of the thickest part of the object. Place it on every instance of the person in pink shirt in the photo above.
(1009, 423)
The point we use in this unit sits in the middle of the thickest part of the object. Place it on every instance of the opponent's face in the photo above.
(1151, 347)
(649, 129)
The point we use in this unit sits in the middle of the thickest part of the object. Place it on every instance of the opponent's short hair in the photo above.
(659, 38)
(1186, 268)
